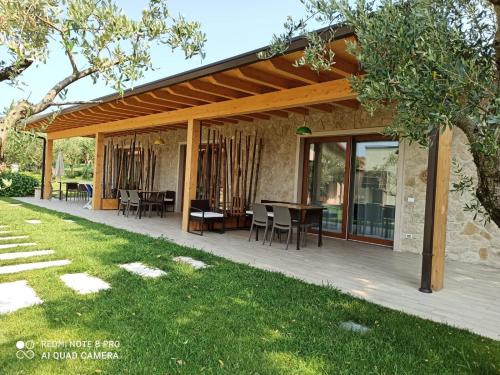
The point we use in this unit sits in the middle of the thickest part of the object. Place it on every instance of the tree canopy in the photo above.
(99, 40)
(436, 63)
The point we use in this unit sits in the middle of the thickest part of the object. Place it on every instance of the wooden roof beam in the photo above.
(298, 110)
(324, 107)
(264, 78)
(243, 118)
(260, 116)
(238, 84)
(168, 103)
(277, 113)
(189, 93)
(344, 67)
(353, 104)
(167, 95)
(210, 88)
(301, 73)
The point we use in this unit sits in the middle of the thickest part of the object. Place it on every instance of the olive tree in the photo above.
(99, 40)
(436, 63)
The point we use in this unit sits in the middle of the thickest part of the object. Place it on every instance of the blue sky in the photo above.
(232, 27)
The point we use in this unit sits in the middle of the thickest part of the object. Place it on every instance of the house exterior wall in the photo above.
(467, 240)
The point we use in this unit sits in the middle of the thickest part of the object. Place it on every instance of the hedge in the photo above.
(22, 184)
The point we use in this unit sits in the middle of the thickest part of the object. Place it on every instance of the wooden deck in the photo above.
(470, 298)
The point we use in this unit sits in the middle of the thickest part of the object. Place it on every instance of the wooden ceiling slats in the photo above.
(239, 84)
(210, 88)
(325, 107)
(303, 74)
(298, 110)
(264, 78)
(166, 94)
(281, 114)
(189, 93)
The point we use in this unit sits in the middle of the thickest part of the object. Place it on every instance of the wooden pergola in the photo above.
(240, 89)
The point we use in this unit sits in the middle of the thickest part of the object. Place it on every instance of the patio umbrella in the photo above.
(59, 170)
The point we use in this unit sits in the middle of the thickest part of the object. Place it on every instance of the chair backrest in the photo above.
(201, 204)
(82, 188)
(72, 185)
(373, 212)
(260, 213)
(133, 196)
(123, 195)
(282, 216)
(267, 203)
(169, 194)
(155, 196)
(388, 212)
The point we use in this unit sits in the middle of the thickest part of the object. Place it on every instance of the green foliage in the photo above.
(17, 184)
(434, 63)
(25, 149)
(76, 151)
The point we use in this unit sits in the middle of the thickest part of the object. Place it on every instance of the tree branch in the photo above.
(14, 70)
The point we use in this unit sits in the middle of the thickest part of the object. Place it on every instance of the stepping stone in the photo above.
(16, 295)
(12, 238)
(32, 266)
(196, 264)
(355, 327)
(5, 231)
(11, 245)
(15, 204)
(33, 221)
(83, 283)
(68, 220)
(25, 254)
(4, 226)
(142, 270)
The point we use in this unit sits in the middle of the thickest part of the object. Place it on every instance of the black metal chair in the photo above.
(82, 191)
(72, 188)
(154, 199)
(201, 212)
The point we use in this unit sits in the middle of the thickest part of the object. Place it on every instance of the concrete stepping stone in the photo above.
(25, 254)
(15, 204)
(196, 264)
(83, 283)
(4, 226)
(33, 221)
(12, 238)
(11, 245)
(68, 220)
(5, 231)
(355, 327)
(16, 295)
(142, 270)
(33, 266)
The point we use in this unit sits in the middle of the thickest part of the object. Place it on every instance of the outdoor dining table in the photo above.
(302, 210)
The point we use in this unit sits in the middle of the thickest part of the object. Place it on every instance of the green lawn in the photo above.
(226, 319)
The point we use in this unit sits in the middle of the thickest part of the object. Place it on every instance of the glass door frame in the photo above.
(348, 206)
(347, 175)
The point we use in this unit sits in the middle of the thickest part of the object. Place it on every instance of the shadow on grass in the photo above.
(228, 318)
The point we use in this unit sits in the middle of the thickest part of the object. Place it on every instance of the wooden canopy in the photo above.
(243, 88)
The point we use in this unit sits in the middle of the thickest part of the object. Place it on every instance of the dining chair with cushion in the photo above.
(201, 212)
(169, 200)
(123, 201)
(260, 219)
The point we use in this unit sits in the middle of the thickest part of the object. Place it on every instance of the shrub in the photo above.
(22, 184)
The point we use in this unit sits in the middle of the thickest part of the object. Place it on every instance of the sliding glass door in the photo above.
(354, 178)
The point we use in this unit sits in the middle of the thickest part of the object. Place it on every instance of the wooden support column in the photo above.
(436, 212)
(98, 171)
(191, 169)
(47, 181)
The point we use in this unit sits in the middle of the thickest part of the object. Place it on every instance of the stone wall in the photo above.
(467, 240)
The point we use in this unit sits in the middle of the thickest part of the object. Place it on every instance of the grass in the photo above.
(226, 319)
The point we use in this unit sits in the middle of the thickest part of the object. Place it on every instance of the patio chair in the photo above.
(388, 216)
(201, 212)
(72, 188)
(134, 201)
(282, 222)
(169, 200)
(311, 220)
(123, 202)
(260, 219)
(155, 199)
(82, 191)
